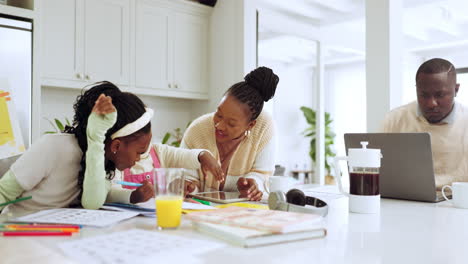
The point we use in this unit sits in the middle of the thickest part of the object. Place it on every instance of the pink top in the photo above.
(139, 178)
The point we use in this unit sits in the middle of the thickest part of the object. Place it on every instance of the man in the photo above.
(437, 112)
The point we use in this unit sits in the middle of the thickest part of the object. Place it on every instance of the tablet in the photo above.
(220, 197)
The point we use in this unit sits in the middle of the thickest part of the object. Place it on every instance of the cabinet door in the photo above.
(62, 52)
(152, 62)
(190, 53)
(107, 41)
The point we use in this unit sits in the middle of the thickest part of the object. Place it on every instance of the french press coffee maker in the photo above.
(364, 170)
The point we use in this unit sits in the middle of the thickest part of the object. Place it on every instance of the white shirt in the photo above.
(48, 172)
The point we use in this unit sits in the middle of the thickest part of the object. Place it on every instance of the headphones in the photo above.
(296, 201)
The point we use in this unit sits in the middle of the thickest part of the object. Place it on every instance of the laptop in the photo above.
(407, 170)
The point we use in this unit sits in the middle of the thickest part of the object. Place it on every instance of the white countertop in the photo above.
(403, 232)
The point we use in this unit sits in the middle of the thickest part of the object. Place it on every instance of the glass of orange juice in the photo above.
(169, 194)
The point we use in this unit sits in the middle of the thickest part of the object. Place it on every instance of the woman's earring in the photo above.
(114, 152)
(247, 133)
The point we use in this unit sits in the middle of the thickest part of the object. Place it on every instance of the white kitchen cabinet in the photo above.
(190, 53)
(84, 41)
(171, 50)
(152, 62)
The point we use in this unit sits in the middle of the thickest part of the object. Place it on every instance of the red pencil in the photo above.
(36, 233)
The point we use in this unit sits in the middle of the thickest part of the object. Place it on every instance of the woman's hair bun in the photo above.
(264, 80)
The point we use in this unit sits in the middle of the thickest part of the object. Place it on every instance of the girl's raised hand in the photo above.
(103, 105)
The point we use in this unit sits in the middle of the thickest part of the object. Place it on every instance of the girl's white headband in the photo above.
(136, 125)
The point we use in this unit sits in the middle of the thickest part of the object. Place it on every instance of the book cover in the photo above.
(264, 220)
(245, 237)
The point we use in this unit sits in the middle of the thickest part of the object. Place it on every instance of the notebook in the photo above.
(258, 219)
(407, 170)
(245, 237)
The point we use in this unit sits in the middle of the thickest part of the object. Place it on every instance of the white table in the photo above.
(404, 232)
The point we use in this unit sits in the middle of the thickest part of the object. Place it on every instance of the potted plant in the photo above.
(58, 126)
(310, 131)
(177, 134)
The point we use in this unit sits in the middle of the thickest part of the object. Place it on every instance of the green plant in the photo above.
(57, 125)
(310, 116)
(177, 134)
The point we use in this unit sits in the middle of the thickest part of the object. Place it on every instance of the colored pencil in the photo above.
(72, 230)
(41, 225)
(27, 225)
(134, 184)
(34, 233)
(201, 201)
(16, 201)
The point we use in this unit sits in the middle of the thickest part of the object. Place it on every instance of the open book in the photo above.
(246, 237)
(264, 220)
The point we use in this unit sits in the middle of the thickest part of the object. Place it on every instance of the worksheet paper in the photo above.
(148, 208)
(76, 217)
(185, 205)
(136, 246)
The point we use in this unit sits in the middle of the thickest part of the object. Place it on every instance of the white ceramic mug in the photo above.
(278, 183)
(459, 194)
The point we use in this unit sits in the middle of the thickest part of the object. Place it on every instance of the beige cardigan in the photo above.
(244, 162)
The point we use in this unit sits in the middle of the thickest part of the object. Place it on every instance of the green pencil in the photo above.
(201, 201)
(16, 201)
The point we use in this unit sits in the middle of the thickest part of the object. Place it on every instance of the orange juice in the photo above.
(169, 211)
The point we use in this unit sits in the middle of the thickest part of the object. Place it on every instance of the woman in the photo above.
(110, 130)
(239, 135)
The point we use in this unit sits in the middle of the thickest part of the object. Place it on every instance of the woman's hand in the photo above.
(210, 165)
(248, 188)
(142, 193)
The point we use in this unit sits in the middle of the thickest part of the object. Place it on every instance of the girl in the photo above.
(110, 130)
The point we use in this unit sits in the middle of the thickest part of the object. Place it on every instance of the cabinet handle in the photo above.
(79, 76)
(87, 77)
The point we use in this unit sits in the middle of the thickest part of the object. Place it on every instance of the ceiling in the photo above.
(287, 29)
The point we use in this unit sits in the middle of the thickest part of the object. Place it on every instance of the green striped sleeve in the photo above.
(9, 188)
